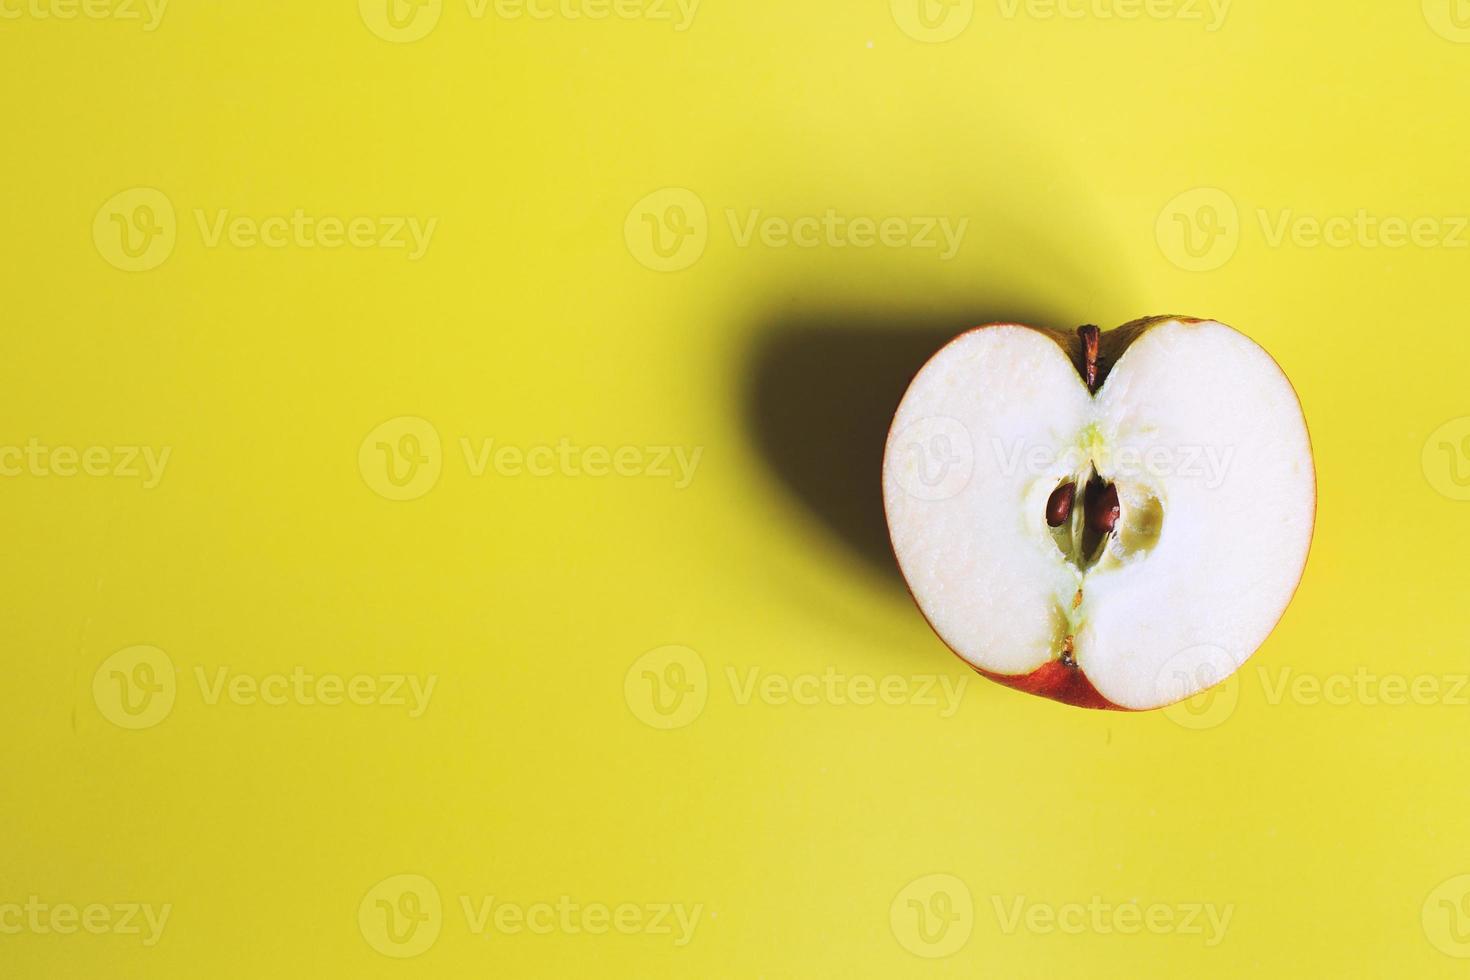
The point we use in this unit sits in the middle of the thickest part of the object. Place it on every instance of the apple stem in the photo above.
(1090, 336)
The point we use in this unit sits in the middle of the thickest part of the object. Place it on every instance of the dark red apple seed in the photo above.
(1103, 510)
(1059, 505)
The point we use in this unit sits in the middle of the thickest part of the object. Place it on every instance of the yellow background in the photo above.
(534, 317)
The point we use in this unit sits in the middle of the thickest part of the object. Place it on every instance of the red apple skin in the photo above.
(1057, 681)
(1054, 679)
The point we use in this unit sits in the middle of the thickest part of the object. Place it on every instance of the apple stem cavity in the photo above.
(1091, 337)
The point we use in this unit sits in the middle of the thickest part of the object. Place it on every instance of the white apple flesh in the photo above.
(1112, 520)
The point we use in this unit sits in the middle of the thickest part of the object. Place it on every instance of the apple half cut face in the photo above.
(1111, 519)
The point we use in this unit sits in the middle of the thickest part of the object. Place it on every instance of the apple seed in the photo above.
(1102, 509)
(1059, 505)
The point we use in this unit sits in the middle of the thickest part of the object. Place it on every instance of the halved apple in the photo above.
(1112, 520)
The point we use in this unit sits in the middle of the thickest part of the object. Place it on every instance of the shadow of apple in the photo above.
(821, 387)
